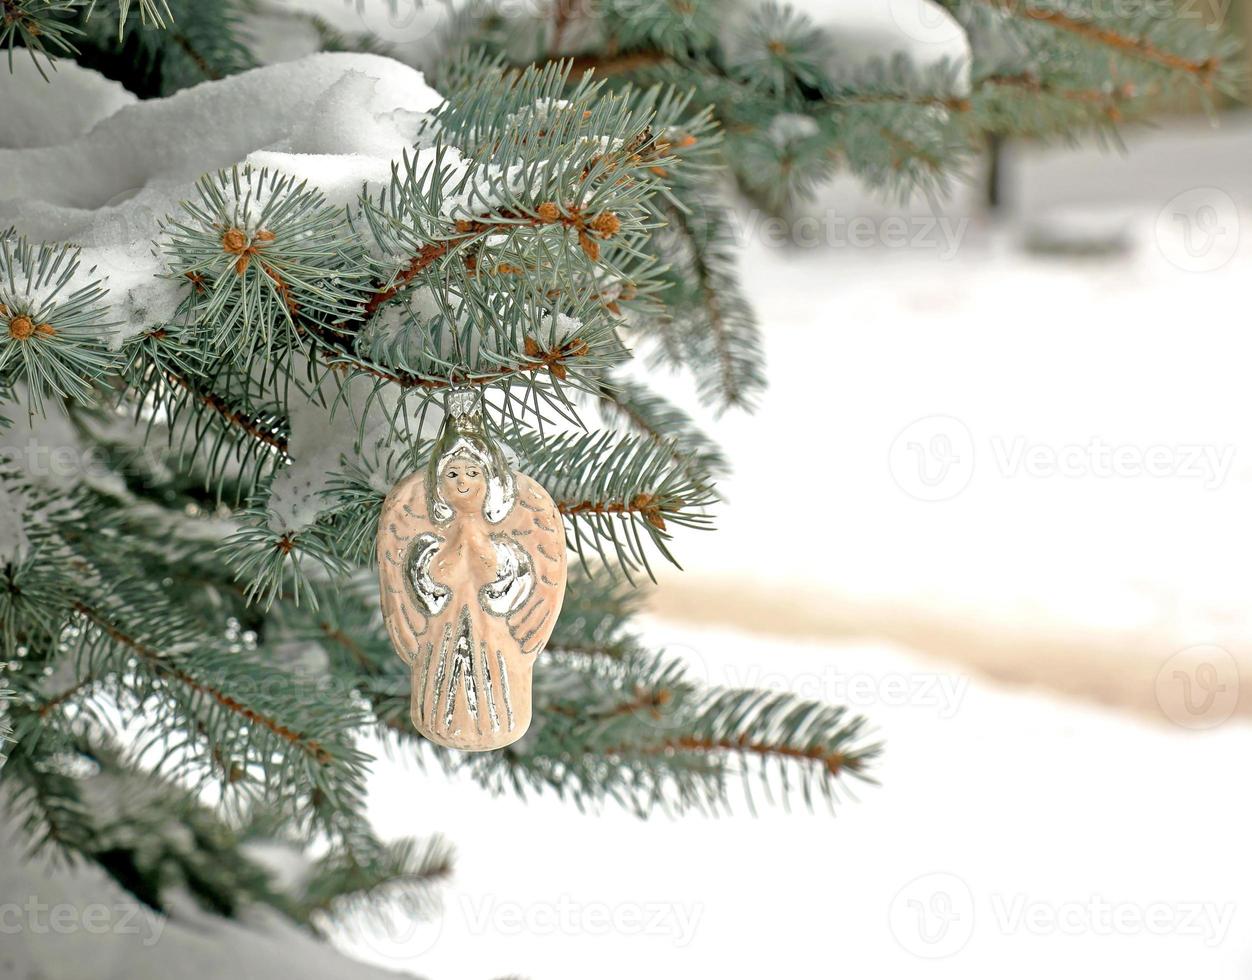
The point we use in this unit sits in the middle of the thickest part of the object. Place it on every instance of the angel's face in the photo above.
(464, 485)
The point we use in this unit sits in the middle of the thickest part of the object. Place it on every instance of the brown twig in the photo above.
(617, 64)
(54, 702)
(240, 420)
(197, 58)
(161, 664)
(1136, 47)
(642, 503)
(713, 304)
(835, 762)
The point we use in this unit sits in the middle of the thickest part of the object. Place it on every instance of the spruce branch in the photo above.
(43, 798)
(625, 491)
(400, 875)
(721, 345)
(257, 249)
(276, 562)
(152, 13)
(53, 323)
(154, 659)
(214, 417)
(42, 28)
(262, 430)
(1134, 46)
(636, 407)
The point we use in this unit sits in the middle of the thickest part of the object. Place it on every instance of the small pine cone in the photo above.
(606, 224)
(589, 245)
(548, 212)
(21, 328)
(234, 241)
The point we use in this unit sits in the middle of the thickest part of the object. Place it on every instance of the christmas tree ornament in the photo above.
(471, 561)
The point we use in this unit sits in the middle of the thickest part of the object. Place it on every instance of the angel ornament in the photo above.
(471, 561)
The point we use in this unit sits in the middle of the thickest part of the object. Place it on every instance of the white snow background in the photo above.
(1017, 830)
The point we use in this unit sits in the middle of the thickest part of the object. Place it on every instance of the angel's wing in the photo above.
(405, 531)
(534, 529)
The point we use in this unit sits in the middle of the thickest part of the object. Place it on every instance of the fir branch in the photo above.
(665, 425)
(252, 427)
(400, 872)
(42, 28)
(165, 668)
(1132, 46)
(626, 491)
(53, 322)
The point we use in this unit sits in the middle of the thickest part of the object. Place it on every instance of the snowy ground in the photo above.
(1004, 469)
(1033, 464)
(1013, 835)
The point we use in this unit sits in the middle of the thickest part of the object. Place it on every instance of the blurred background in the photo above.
(1005, 517)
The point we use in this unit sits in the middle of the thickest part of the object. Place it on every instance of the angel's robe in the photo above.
(468, 605)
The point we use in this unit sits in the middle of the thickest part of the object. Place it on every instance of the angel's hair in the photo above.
(501, 486)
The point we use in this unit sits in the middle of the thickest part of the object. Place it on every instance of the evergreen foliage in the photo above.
(235, 638)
